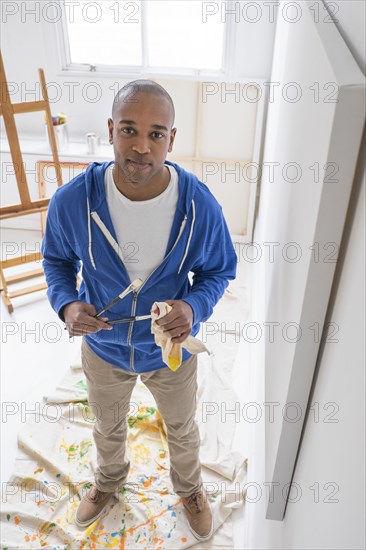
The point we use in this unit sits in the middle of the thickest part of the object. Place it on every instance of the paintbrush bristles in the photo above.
(133, 286)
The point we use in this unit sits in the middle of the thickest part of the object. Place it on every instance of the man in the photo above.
(140, 216)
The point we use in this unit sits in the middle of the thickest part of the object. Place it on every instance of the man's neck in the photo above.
(149, 191)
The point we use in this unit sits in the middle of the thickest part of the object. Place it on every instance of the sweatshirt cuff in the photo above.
(195, 303)
(62, 301)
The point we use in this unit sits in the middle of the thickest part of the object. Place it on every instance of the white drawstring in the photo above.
(89, 234)
(190, 236)
(114, 244)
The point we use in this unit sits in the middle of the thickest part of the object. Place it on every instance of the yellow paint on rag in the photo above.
(172, 352)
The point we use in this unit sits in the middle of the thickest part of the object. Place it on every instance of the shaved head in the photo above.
(141, 131)
(128, 94)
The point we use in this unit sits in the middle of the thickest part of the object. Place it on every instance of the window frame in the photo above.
(143, 70)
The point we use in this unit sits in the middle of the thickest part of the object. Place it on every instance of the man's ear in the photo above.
(173, 132)
(110, 129)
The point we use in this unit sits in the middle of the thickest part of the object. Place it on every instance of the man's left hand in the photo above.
(177, 324)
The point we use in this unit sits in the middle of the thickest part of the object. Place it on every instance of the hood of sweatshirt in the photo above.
(96, 198)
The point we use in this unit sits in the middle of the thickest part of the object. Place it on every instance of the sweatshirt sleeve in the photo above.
(211, 276)
(60, 263)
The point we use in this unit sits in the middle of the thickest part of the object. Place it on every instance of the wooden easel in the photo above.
(26, 205)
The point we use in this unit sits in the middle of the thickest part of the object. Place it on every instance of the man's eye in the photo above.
(158, 135)
(127, 130)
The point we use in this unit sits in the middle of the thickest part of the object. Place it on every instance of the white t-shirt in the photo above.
(142, 227)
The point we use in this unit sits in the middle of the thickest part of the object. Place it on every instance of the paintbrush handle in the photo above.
(118, 321)
(108, 306)
(129, 319)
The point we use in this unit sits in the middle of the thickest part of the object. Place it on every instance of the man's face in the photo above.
(142, 136)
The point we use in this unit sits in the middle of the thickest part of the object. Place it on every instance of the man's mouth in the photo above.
(137, 165)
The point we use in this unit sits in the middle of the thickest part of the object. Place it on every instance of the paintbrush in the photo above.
(132, 287)
(128, 319)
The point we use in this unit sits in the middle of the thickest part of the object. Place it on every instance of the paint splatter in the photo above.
(133, 420)
(82, 385)
(77, 451)
(140, 454)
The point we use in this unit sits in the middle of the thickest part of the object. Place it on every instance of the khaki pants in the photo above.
(109, 393)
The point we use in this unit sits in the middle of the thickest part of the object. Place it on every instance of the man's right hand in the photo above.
(80, 320)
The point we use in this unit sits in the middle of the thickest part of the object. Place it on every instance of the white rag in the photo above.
(172, 352)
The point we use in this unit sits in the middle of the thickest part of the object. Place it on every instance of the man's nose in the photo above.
(141, 145)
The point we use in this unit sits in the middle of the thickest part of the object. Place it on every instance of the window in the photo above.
(145, 35)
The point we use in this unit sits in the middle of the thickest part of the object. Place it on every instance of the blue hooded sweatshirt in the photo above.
(79, 233)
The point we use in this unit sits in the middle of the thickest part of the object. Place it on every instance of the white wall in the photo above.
(330, 452)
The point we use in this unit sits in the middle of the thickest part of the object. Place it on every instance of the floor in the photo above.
(36, 352)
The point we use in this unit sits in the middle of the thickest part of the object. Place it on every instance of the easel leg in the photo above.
(4, 291)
